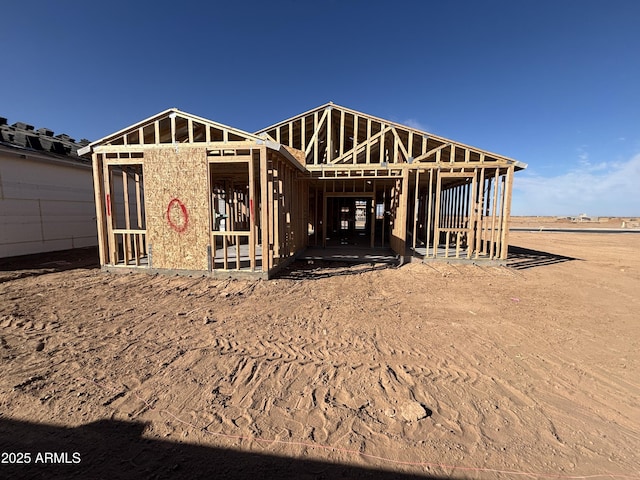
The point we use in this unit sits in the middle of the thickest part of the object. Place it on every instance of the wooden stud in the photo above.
(436, 232)
(398, 146)
(356, 120)
(373, 215)
(429, 211)
(504, 247)
(329, 143)
(127, 221)
(410, 150)
(342, 129)
(324, 214)
(384, 211)
(492, 249)
(252, 219)
(415, 210)
(99, 195)
(368, 154)
(485, 224)
(264, 209)
(472, 214)
(478, 208)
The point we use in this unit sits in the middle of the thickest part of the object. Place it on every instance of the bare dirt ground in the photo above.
(358, 371)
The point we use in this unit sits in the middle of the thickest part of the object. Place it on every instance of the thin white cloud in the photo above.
(583, 155)
(604, 189)
(413, 123)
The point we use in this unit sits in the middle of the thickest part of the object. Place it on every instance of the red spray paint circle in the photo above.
(177, 215)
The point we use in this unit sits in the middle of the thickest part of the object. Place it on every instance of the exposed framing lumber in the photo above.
(504, 243)
(99, 195)
(274, 208)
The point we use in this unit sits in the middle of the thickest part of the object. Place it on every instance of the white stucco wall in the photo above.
(45, 205)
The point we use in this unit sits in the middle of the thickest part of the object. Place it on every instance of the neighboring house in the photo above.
(46, 192)
(179, 193)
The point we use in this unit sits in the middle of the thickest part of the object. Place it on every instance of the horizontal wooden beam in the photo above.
(229, 158)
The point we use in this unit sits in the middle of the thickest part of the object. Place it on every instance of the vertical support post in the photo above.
(396, 149)
(384, 211)
(274, 200)
(139, 240)
(436, 221)
(99, 195)
(416, 210)
(504, 247)
(324, 214)
(127, 221)
(342, 128)
(316, 138)
(252, 216)
(492, 250)
(355, 138)
(368, 154)
(410, 149)
(472, 214)
(479, 208)
(429, 211)
(373, 216)
(264, 209)
(225, 255)
(316, 222)
(487, 202)
(113, 246)
(329, 136)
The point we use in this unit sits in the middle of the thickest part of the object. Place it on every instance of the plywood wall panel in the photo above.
(177, 207)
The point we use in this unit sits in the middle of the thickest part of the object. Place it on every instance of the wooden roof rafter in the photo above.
(173, 126)
(344, 136)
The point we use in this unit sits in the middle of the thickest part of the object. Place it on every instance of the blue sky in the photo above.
(554, 84)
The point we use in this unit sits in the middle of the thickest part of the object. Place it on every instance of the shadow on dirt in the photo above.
(524, 258)
(317, 269)
(12, 268)
(115, 449)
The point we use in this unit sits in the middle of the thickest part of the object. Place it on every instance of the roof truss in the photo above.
(335, 135)
(173, 126)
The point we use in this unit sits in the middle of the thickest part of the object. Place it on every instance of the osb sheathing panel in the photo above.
(176, 198)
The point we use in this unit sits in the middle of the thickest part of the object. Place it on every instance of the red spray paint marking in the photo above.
(251, 208)
(108, 205)
(182, 225)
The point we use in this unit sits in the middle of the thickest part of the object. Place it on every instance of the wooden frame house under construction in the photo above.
(178, 193)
